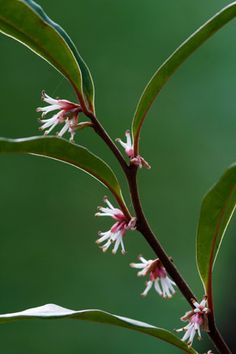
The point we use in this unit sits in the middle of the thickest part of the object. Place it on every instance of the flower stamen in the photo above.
(163, 285)
(197, 319)
(67, 115)
(129, 150)
(116, 233)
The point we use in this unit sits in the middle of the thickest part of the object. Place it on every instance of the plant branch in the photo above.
(144, 228)
(216, 336)
(108, 141)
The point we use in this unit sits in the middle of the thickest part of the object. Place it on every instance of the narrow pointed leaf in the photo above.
(52, 311)
(25, 21)
(166, 70)
(62, 150)
(216, 211)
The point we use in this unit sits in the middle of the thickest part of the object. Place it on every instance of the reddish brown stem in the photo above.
(144, 228)
(109, 142)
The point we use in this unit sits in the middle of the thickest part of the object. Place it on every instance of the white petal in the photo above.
(196, 304)
(166, 291)
(199, 333)
(157, 287)
(64, 129)
(128, 137)
(137, 265)
(122, 246)
(108, 203)
(72, 136)
(108, 211)
(103, 214)
(117, 243)
(50, 121)
(142, 273)
(106, 246)
(143, 259)
(47, 109)
(192, 335)
(124, 145)
(148, 287)
(48, 99)
(187, 333)
(52, 127)
(171, 286)
(105, 236)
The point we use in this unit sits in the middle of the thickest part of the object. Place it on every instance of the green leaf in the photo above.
(165, 71)
(216, 211)
(52, 311)
(62, 150)
(25, 21)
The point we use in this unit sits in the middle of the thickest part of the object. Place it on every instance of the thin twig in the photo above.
(144, 228)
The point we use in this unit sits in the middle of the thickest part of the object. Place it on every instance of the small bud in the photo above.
(129, 149)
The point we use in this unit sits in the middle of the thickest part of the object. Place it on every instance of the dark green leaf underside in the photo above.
(216, 211)
(166, 70)
(52, 311)
(62, 150)
(88, 86)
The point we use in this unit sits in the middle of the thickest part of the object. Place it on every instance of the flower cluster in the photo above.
(67, 115)
(129, 149)
(117, 232)
(197, 319)
(163, 285)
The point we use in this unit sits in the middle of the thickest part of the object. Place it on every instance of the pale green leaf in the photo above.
(52, 311)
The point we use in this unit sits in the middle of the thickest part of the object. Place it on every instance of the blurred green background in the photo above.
(48, 228)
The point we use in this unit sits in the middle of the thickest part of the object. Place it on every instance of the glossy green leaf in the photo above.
(62, 150)
(165, 71)
(216, 211)
(25, 21)
(52, 311)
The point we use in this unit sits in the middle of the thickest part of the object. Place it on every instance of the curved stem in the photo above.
(144, 228)
(98, 128)
(216, 336)
(109, 142)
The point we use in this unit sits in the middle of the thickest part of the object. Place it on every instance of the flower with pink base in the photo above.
(163, 285)
(67, 115)
(117, 232)
(197, 319)
(129, 149)
(128, 146)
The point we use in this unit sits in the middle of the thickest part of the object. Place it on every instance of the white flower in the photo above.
(163, 285)
(117, 232)
(197, 319)
(128, 146)
(67, 115)
(129, 149)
